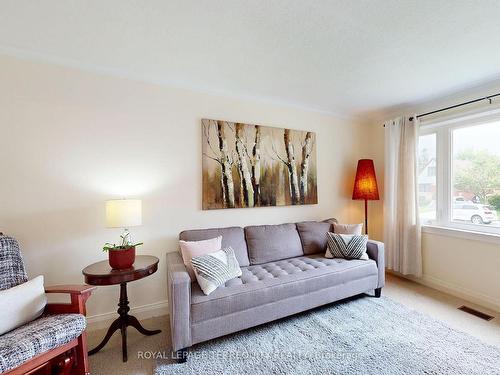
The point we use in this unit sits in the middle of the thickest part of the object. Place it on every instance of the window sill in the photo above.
(462, 233)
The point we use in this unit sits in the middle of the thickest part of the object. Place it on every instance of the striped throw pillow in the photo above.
(215, 269)
(346, 246)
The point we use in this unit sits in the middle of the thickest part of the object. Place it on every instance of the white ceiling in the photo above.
(349, 57)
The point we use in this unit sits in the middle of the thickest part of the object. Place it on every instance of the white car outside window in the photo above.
(475, 213)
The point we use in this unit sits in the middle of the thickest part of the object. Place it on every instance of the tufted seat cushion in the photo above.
(37, 337)
(273, 281)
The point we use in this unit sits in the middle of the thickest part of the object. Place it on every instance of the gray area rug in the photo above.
(363, 335)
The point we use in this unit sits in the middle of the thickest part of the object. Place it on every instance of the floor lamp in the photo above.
(365, 185)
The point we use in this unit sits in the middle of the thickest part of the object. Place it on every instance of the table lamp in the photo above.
(124, 213)
(365, 185)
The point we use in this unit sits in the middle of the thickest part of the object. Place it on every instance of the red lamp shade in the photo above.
(365, 184)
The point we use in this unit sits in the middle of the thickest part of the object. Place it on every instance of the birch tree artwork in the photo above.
(247, 165)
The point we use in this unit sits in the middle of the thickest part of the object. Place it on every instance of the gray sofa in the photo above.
(284, 272)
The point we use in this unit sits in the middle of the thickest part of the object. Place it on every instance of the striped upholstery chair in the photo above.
(55, 343)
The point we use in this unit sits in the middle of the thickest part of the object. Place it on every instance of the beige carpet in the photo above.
(108, 361)
(436, 304)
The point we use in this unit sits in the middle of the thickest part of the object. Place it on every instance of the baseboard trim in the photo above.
(100, 321)
(455, 290)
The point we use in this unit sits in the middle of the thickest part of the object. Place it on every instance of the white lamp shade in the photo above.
(123, 213)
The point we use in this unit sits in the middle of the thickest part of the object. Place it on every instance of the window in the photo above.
(459, 173)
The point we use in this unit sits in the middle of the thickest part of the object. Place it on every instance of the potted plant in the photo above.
(121, 256)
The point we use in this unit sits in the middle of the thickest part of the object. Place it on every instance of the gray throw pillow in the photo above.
(215, 269)
(346, 246)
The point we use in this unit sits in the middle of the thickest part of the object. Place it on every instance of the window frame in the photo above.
(443, 128)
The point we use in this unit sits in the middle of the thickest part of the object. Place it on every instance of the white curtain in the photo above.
(401, 222)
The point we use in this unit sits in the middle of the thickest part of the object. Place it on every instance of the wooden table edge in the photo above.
(121, 276)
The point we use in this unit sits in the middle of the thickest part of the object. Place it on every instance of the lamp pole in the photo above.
(366, 216)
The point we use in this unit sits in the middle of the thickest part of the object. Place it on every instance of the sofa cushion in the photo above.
(231, 237)
(273, 281)
(37, 337)
(268, 243)
(313, 236)
(331, 220)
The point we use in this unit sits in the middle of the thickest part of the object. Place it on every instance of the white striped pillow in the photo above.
(215, 269)
(346, 246)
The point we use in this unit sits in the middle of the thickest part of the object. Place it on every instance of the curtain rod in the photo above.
(489, 97)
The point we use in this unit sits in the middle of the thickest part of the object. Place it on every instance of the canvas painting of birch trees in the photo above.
(247, 165)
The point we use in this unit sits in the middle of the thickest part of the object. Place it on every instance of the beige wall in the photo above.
(72, 139)
(373, 132)
(467, 268)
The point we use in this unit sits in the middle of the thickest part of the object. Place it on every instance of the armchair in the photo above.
(55, 343)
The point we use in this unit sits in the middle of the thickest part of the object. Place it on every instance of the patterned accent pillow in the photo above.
(215, 269)
(346, 246)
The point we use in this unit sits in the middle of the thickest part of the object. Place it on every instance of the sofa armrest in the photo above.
(179, 301)
(375, 250)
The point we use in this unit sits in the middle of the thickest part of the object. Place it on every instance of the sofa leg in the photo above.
(378, 292)
(181, 355)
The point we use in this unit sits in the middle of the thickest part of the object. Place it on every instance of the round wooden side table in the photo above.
(101, 273)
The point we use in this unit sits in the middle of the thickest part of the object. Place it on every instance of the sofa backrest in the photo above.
(260, 244)
(232, 236)
(313, 236)
(268, 243)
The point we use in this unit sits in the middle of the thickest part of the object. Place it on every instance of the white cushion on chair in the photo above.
(21, 304)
